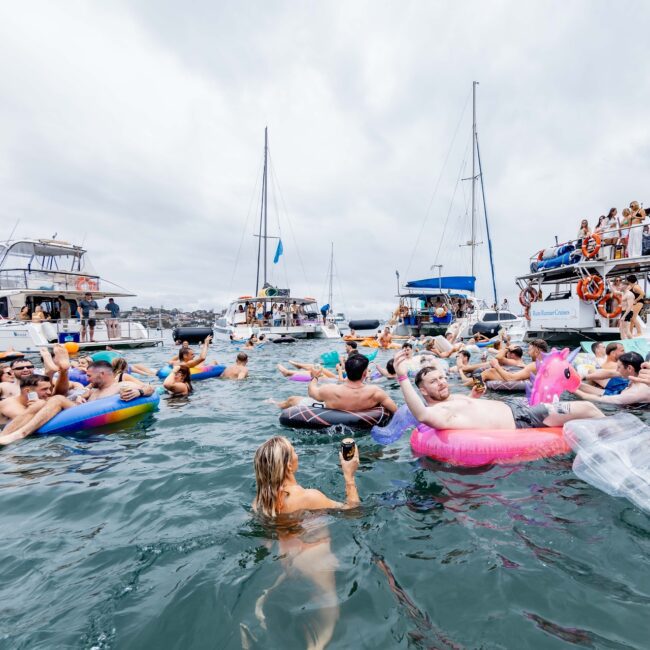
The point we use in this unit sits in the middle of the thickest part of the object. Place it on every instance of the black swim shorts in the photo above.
(528, 417)
(628, 316)
(90, 321)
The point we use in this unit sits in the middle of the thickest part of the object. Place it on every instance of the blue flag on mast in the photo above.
(278, 251)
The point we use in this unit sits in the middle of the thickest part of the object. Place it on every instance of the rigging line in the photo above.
(487, 225)
(289, 220)
(435, 191)
(274, 198)
(451, 205)
(243, 234)
(338, 281)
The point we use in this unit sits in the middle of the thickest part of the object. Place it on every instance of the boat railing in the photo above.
(107, 328)
(48, 280)
(610, 244)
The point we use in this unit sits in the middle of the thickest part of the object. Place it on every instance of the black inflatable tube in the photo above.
(367, 324)
(191, 334)
(317, 416)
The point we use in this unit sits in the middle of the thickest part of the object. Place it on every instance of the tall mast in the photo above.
(262, 235)
(331, 291)
(473, 241)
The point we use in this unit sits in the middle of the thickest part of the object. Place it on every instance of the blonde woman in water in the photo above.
(304, 543)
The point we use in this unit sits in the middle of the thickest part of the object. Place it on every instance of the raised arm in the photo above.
(633, 395)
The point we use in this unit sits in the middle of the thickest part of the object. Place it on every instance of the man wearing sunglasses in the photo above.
(30, 409)
(21, 369)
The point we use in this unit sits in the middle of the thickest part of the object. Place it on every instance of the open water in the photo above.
(142, 537)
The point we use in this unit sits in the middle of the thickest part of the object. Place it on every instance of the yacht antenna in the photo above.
(14, 229)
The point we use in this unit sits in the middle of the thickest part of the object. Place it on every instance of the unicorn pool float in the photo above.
(475, 447)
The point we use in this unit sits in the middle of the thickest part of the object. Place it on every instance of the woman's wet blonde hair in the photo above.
(272, 460)
(120, 364)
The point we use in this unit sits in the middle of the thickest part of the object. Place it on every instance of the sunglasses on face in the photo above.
(23, 367)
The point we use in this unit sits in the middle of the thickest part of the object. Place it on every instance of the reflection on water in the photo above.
(142, 536)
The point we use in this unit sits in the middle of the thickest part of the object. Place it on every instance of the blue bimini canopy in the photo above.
(458, 282)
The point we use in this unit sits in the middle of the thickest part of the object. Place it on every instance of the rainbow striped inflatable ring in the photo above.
(198, 372)
(98, 413)
(317, 416)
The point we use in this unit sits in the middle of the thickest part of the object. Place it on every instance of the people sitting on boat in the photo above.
(187, 357)
(24, 314)
(499, 372)
(8, 383)
(26, 412)
(351, 336)
(179, 381)
(103, 383)
(443, 410)
(385, 338)
(38, 315)
(239, 369)
(620, 390)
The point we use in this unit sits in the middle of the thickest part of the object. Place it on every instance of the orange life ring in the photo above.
(528, 296)
(244, 297)
(594, 281)
(602, 306)
(87, 284)
(591, 245)
(540, 255)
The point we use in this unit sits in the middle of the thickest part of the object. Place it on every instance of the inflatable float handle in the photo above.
(400, 422)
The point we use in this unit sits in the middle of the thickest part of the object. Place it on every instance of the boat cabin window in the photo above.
(494, 316)
(4, 308)
(559, 295)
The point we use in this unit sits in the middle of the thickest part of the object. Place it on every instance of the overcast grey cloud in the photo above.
(137, 127)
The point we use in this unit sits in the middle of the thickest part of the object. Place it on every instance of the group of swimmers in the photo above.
(31, 398)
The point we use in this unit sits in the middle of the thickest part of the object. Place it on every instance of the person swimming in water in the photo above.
(303, 538)
(179, 381)
(239, 369)
(350, 395)
(442, 410)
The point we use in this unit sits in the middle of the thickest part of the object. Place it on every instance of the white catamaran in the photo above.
(41, 275)
(433, 306)
(271, 310)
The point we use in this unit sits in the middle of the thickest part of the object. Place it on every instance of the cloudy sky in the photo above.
(137, 128)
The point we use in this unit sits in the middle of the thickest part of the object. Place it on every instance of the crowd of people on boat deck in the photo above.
(274, 314)
(626, 236)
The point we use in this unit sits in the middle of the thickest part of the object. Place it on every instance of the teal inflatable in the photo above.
(105, 355)
(331, 358)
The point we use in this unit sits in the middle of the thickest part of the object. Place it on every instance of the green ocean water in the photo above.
(142, 537)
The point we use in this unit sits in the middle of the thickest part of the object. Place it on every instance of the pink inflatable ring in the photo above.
(473, 447)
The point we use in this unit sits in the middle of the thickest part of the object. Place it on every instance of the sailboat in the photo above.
(271, 310)
(433, 306)
(331, 317)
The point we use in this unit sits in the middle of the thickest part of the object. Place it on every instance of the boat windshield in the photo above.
(44, 256)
